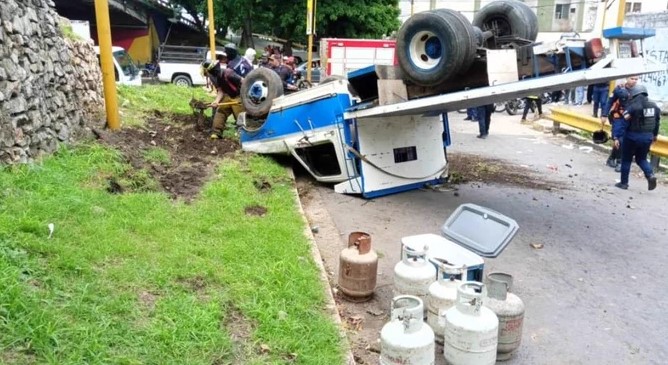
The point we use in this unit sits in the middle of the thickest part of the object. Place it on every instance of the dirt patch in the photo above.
(148, 299)
(173, 150)
(466, 168)
(240, 330)
(256, 210)
(196, 284)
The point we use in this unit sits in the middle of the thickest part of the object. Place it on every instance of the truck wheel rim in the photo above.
(181, 82)
(258, 92)
(425, 50)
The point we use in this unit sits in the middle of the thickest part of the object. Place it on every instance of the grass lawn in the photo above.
(138, 278)
(664, 126)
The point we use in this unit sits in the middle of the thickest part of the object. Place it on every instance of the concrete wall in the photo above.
(50, 88)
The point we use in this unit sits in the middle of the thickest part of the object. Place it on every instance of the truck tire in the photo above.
(258, 91)
(430, 49)
(466, 32)
(507, 18)
(182, 80)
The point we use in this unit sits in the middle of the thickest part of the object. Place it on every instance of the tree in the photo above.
(287, 19)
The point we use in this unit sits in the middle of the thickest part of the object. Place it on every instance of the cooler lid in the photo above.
(442, 248)
(479, 229)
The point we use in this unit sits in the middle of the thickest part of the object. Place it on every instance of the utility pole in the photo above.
(107, 63)
(212, 31)
(614, 47)
(310, 30)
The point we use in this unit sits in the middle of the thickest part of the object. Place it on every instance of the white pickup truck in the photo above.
(180, 65)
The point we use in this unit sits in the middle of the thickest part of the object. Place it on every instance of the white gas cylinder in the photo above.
(509, 308)
(413, 274)
(406, 339)
(471, 330)
(442, 295)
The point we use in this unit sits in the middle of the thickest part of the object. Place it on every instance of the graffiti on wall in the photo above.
(656, 48)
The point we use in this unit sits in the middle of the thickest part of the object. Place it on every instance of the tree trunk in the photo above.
(247, 34)
(287, 48)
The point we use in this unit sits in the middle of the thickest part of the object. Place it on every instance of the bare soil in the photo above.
(192, 155)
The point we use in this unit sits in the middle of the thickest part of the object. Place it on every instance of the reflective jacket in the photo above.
(617, 103)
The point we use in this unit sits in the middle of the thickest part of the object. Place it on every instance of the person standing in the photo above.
(240, 65)
(228, 97)
(599, 97)
(528, 104)
(642, 118)
(613, 112)
(484, 113)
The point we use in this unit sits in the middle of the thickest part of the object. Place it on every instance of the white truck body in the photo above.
(125, 71)
(184, 71)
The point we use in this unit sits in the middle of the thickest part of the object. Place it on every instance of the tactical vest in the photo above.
(644, 120)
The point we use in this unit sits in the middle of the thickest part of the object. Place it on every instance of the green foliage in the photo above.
(663, 128)
(68, 32)
(287, 19)
(136, 278)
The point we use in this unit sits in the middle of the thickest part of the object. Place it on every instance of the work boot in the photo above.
(622, 186)
(611, 162)
(467, 118)
(651, 182)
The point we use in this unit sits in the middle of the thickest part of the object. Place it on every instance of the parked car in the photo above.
(316, 70)
(180, 65)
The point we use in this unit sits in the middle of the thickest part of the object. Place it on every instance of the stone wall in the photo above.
(50, 87)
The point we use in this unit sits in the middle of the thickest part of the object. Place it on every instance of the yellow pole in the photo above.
(107, 63)
(212, 32)
(412, 6)
(310, 23)
(615, 42)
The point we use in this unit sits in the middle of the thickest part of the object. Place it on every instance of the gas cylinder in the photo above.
(442, 295)
(509, 308)
(358, 268)
(471, 330)
(413, 274)
(406, 339)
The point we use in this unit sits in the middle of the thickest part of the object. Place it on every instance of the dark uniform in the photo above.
(599, 97)
(484, 114)
(640, 130)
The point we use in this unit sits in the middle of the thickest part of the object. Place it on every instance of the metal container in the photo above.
(413, 274)
(406, 340)
(471, 330)
(509, 308)
(442, 295)
(358, 268)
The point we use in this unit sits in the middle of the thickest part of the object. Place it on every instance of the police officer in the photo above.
(612, 112)
(641, 128)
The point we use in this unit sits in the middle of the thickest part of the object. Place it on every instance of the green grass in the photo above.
(139, 279)
(663, 128)
(158, 155)
(138, 102)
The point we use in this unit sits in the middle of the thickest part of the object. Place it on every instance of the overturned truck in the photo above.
(384, 129)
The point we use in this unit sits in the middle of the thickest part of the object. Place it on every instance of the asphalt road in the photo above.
(595, 293)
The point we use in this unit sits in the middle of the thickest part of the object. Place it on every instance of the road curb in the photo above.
(317, 258)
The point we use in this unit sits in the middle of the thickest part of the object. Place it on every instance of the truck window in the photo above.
(115, 70)
(125, 61)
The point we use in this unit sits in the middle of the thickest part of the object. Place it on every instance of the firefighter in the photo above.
(613, 112)
(641, 129)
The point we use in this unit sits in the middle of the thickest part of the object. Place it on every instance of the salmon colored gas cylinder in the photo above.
(471, 329)
(358, 268)
(406, 339)
(442, 296)
(509, 308)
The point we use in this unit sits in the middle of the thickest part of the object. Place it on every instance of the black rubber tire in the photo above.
(258, 91)
(515, 106)
(182, 80)
(303, 84)
(430, 49)
(508, 18)
(466, 32)
(478, 36)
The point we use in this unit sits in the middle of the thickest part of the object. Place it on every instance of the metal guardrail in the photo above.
(591, 124)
